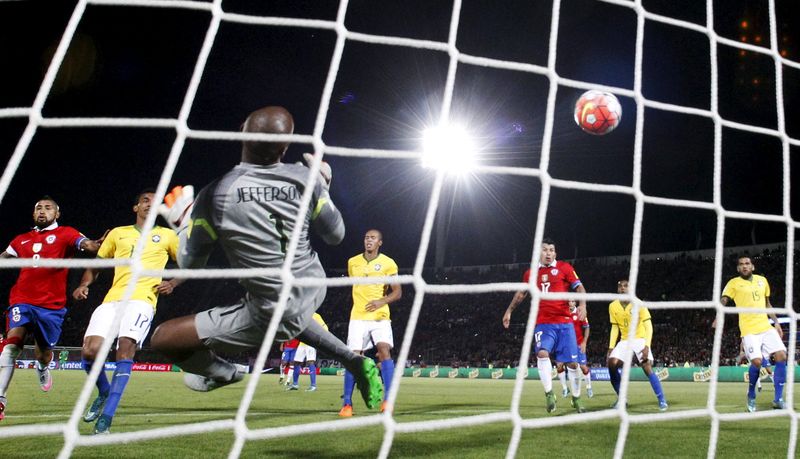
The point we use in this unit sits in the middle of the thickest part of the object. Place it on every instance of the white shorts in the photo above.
(136, 318)
(305, 353)
(364, 334)
(637, 345)
(765, 343)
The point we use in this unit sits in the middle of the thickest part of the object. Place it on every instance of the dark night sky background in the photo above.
(137, 62)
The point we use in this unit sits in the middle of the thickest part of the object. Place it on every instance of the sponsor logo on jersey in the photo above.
(25, 241)
(50, 239)
(155, 238)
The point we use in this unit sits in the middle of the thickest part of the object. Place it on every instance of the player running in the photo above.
(136, 312)
(38, 298)
(554, 332)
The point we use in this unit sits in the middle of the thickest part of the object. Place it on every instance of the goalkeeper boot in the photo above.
(369, 383)
(103, 425)
(662, 405)
(778, 404)
(578, 405)
(346, 411)
(97, 407)
(751, 404)
(3, 402)
(550, 402)
(45, 380)
(201, 383)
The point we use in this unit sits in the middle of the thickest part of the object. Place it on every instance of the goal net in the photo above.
(560, 68)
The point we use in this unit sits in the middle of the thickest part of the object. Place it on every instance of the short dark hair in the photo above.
(47, 197)
(547, 240)
(143, 192)
(380, 233)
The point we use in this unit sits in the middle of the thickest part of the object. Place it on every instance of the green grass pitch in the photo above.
(154, 400)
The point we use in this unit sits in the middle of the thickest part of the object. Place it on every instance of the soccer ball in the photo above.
(598, 112)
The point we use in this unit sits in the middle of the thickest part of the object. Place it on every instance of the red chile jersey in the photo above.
(43, 287)
(558, 277)
(291, 344)
(580, 326)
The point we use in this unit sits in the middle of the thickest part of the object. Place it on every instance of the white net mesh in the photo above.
(343, 36)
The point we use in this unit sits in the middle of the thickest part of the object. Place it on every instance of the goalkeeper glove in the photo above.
(324, 170)
(177, 207)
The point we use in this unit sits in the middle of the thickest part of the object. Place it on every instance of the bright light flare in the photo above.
(449, 149)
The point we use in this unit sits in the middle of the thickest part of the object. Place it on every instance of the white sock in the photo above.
(545, 373)
(8, 360)
(588, 378)
(574, 382)
(562, 376)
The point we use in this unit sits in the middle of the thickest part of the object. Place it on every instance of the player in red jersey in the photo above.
(288, 348)
(582, 336)
(554, 332)
(37, 301)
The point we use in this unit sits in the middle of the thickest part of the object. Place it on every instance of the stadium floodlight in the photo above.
(448, 148)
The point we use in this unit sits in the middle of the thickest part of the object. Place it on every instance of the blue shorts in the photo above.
(288, 355)
(44, 323)
(558, 340)
(581, 357)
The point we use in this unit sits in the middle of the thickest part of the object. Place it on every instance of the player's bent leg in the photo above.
(179, 340)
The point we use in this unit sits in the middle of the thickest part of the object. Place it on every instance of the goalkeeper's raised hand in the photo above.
(177, 207)
(324, 170)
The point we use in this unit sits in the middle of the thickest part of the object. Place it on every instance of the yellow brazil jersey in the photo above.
(381, 266)
(620, 316)
(751, 293)
(162, 245)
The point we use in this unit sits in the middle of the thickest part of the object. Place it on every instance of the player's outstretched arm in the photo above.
(515, 301)
(89, 245)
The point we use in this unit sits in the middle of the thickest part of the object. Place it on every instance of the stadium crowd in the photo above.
(465, 330)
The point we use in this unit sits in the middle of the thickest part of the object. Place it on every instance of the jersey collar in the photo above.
(52, 226)
(551, 265)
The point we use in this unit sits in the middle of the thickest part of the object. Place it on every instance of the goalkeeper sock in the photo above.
(779, 378)
(655, 383)
(562, 376)
(102, 380)
(387, 372)
(206, 363)
(121, 376)
(312, 371)
(349, 385)
(316, 336)
(296, 375)
(545, 373)
(754, 373)
(614, 376)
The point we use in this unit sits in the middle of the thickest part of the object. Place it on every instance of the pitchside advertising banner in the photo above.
(110, 366)
(691, 374)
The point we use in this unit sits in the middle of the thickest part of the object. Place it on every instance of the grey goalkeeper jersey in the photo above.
(252, 211)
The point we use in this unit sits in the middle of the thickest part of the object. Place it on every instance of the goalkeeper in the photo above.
(251, 211)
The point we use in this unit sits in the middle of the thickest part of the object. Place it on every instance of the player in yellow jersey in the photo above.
(307, 354)
(136, 313)
(621, 317)
(759, 337)
(370, 323)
